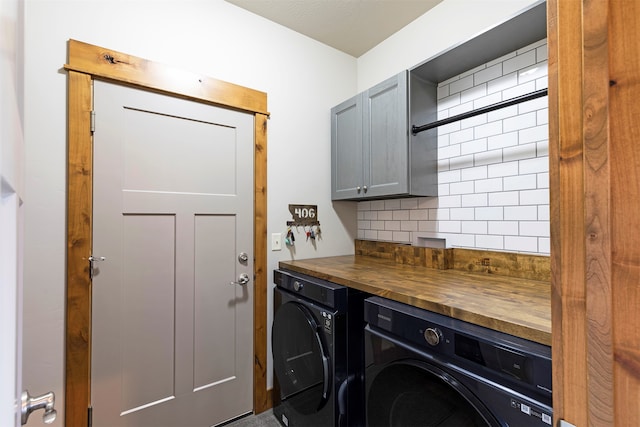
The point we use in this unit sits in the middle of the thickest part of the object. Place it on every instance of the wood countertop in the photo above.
(520, 307)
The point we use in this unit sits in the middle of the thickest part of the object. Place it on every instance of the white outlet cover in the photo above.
(276, 241)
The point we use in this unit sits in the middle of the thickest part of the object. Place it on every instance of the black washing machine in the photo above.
(425, 369)
(317, 343)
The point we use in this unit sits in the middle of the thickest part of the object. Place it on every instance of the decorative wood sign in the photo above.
(304, 215)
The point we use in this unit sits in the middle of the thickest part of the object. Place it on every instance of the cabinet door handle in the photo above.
(365, 188)
(358, 189)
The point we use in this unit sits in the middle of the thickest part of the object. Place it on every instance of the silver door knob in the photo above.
(30, 404)
(243, 279)
(243, 257)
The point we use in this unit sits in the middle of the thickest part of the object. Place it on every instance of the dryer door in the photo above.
(301, 362)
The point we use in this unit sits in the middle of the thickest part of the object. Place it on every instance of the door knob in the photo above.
(243, 279)
(30, 404)
(243, 257)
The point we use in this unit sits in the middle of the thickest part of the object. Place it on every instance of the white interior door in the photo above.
(173, 212)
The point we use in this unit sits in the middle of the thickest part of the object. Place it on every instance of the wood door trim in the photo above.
(86, 63)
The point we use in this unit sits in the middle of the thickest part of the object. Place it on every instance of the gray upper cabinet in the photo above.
(373, 154)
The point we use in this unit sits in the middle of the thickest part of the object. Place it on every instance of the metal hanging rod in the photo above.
(498, 105)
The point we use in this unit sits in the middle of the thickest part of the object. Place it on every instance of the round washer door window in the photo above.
(300, 361)
(409, 395)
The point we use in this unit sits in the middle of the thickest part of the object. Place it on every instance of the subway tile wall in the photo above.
(493, 169)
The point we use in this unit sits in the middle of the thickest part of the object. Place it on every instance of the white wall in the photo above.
(302, 78)
(449, 24)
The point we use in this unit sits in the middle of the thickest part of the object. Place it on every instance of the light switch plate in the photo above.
(276, 241)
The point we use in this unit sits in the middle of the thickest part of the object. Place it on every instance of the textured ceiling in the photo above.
(352, 26)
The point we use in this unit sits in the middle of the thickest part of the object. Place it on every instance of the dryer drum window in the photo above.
(300, 361)
(409, 395)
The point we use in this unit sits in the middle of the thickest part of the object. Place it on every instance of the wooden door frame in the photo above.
(88, 62)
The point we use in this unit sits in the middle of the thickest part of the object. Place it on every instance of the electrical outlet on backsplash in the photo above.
(493, 169)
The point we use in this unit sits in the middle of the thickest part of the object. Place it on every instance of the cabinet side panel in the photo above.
(423, 147)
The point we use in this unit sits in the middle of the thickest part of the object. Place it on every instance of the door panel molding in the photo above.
(88, 62)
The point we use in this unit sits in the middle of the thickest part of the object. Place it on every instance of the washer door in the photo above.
(300, 360)
(417, 394)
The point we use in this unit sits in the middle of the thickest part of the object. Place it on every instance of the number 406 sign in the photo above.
(304, 214)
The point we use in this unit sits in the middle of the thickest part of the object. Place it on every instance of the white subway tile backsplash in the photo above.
(490, 214)
(448, 152)
(402, 236)
(378, 205)
(449, 176)
(461, 84)
(385, 236)
(462, 214)
(503, 169)
(534, 197)
(409, 225)
(400, 215)
(521, 213)
(438, 214)
(493, 128)
(385, 215)
(505, 82)
(487, 158)
(543, 180)
(534, 228)
(475, 146)
(474, 200)
(464, 187)
(520, 182)
(392, 225)
(475, 173)
(409, 203)
(537, 165)
(487, 74)
(503, 228)
(534, 134)
(490, 242)
(521, 244)
(504, 198)
(502, 140)
(521, 121)
(519, 152)
(474, 227)
(519, 90)
(493, 174)
(419, 215)
(488, 185)
(449, 226)
(473, 93)
(523, 60)
(461, 162)
(450, 202)
(544, 245)
(392, 204)
(460, 136)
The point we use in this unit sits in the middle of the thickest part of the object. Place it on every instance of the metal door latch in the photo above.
(243, 279)
(30, 404)
(92, 263)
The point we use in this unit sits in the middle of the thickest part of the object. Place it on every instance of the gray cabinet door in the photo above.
(385, 138)
(346, 149)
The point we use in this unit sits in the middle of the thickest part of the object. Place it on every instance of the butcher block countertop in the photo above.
(517, 306)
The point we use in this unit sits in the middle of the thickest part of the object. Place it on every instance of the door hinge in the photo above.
(89, 416)
(93, 121)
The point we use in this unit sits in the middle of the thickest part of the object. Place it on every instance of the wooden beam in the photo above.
(261, 396)
(79, 213)
(624, 154)
(117, 66)
(566, 182)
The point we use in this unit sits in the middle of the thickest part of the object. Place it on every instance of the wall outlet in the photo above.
(276, 241)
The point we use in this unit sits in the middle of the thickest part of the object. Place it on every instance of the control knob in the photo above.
(433, 336)
(297, 286)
